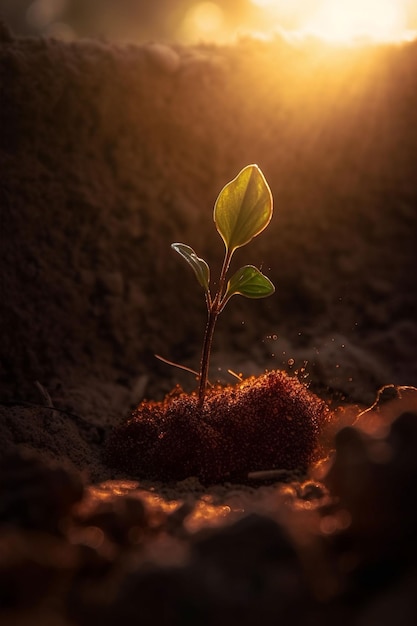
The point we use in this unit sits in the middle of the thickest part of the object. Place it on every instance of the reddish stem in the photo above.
(213, 314)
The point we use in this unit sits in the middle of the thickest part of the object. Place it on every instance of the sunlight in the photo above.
(204, 20)
(342, 20)
(270, 3)
(375, 19)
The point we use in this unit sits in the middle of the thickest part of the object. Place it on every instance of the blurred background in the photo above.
(111, 152)
(191, 21)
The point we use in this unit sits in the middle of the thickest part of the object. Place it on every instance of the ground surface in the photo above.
(110, 153)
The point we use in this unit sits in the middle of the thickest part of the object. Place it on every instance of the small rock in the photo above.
(374, 480)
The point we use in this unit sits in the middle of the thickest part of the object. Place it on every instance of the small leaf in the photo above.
(248, 281)
(200, 267)
(243, 208)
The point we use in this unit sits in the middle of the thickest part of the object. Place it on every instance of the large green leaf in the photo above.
(248, 281)
(243, 208)
(200, 267)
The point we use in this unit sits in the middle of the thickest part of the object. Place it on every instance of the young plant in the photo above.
(242, 211)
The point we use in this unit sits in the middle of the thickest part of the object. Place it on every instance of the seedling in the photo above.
(242, 211)
(226, 433)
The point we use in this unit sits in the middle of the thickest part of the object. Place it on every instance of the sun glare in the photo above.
(343, 20)
(375, 19)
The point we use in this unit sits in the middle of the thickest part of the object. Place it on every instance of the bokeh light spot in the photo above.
(204, 21)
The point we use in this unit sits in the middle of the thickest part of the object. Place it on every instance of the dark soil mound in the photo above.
(264, 423)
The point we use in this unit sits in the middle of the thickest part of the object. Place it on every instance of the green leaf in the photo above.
(243, 208)
(248, 281)
(200, 267)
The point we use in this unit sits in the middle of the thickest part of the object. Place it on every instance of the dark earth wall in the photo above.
(109, 153)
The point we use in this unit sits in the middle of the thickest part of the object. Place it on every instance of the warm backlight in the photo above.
(343, 20)
(204, 20)
(376, 19)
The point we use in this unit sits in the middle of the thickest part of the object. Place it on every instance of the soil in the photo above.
(230, 436)
(108, 153)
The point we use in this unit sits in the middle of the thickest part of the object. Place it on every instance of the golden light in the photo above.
(270, 3)
(375, 19)
(203, 21)
(342, 20)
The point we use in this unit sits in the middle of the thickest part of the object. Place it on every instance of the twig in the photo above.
(238, 376)
(181, 367)
(267, 474)
(45, 394)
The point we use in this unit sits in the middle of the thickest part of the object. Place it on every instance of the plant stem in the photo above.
(213, 313)
(205, 355)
